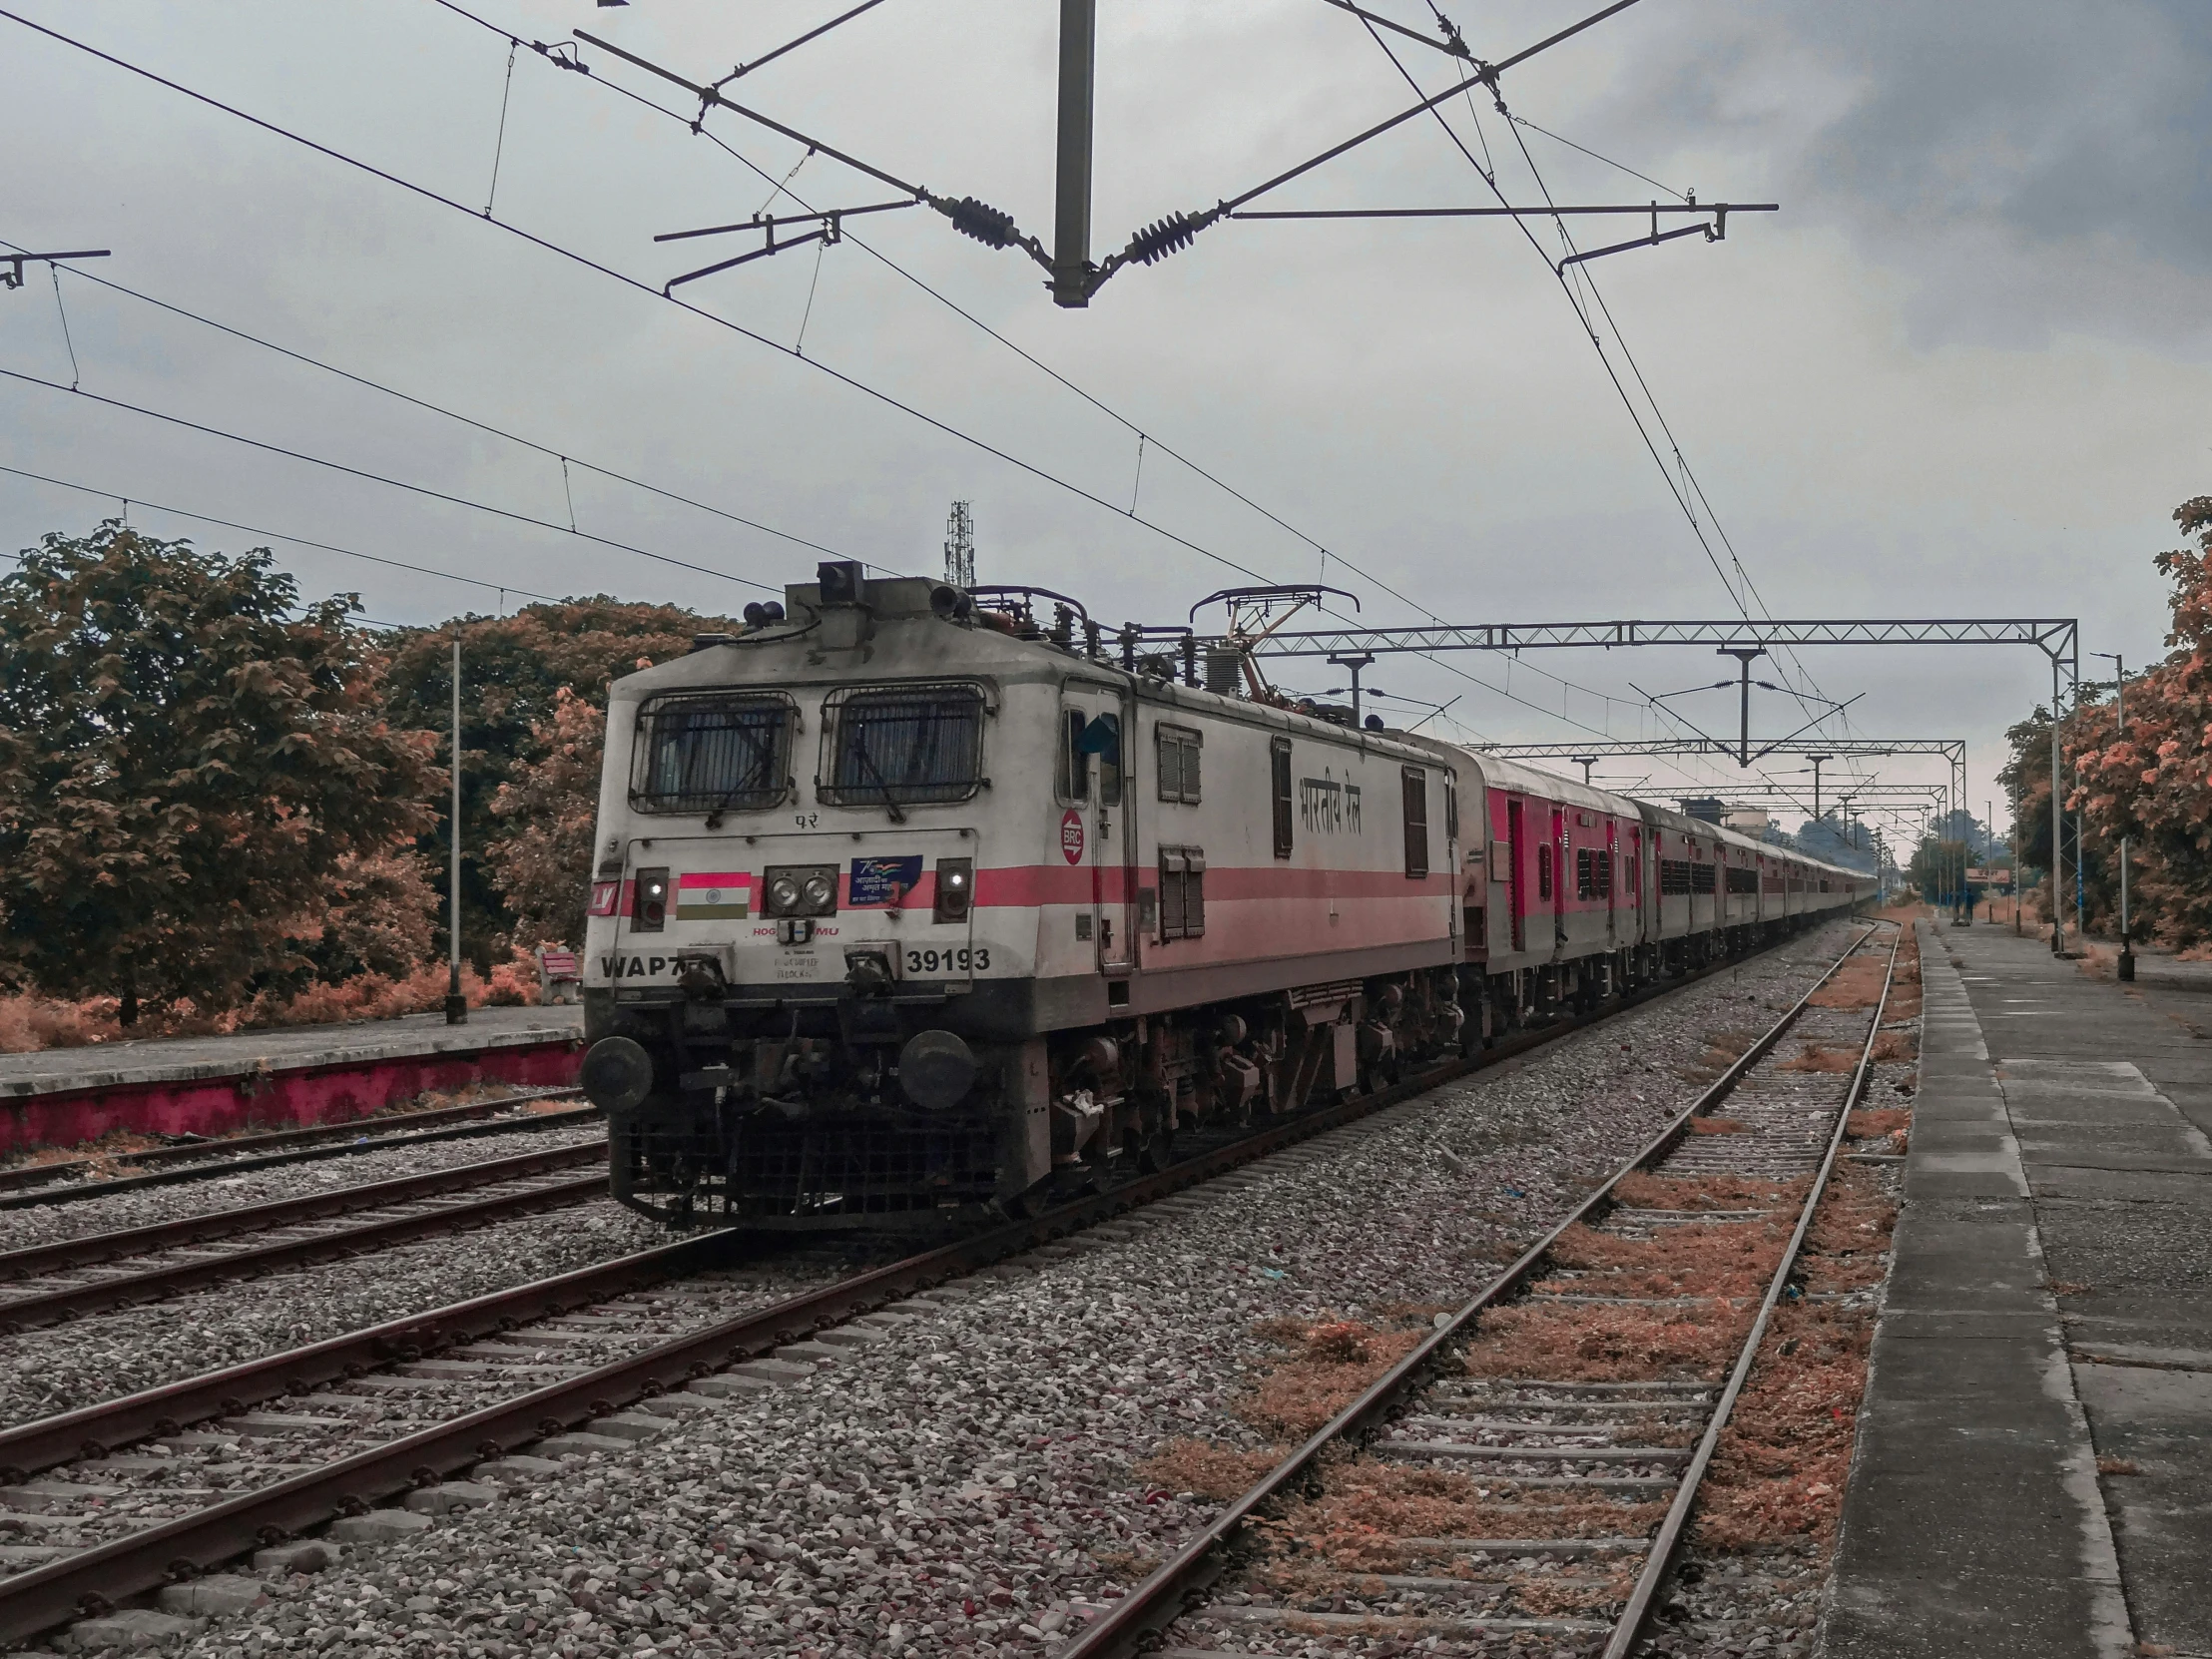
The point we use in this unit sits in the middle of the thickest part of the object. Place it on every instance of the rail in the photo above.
(207, 1160)
(93, 1580)
(1160, 1600)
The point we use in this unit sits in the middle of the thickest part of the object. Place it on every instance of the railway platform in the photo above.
(2035, 1448)
(309, 1074)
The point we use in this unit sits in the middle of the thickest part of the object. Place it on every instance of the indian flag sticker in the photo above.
(724, 896)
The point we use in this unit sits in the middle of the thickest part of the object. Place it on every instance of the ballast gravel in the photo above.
(968, 1483)
(110, 1354)
(83, 1217)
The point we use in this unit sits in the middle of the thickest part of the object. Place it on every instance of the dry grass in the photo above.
(1644, 1191)
(1752, 1245)
(1893, 1046)
(1780, 1470)
(1368, 1509)
(1819, 1057)
(1719, 1126)
(1870, 1122)
(1214, 1471)
(1328, 1366)
(2118, 1466)
(1858, 984)
(1607, 1345)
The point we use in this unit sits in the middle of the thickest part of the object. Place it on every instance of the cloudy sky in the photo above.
(1963, 372)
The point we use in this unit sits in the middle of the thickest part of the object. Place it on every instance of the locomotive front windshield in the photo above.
(906, 745)
(714, 754)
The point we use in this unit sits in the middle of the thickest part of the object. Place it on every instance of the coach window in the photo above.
(1279, 781)
(1543, 871)
(1417, 821)
(1177, 747)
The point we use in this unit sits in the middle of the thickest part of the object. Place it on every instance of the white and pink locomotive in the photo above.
(1038, 905)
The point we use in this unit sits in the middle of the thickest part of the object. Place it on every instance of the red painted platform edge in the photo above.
(295, 1097)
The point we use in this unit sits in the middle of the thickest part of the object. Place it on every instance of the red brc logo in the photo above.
(1071, 835)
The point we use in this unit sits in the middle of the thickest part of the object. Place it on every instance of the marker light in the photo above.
(652, 902)
(955, 888)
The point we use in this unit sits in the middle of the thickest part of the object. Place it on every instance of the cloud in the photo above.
(2032, 169)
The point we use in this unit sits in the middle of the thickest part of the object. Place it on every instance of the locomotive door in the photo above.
(1097, 834)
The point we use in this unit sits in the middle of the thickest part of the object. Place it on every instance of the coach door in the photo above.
(1516, 874)
(1612, 884)
(1097, 834)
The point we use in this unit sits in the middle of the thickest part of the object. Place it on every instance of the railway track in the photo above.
(1547, 1455)
(31, 1185)
(45, 1283)
(220, 1476)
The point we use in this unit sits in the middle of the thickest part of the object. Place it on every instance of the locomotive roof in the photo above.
(793, 652)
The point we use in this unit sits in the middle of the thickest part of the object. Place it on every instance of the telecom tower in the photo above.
(959, 547)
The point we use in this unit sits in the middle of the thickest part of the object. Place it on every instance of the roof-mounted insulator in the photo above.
(1168, 236)
(981, 221)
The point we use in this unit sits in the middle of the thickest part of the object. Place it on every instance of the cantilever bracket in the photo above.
(12, 278)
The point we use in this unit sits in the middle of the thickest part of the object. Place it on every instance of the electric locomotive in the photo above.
(907, 906)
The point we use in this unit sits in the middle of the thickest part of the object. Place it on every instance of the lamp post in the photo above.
(2119, 717)
(457, 1005)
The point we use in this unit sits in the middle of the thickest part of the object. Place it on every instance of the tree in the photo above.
(513, 671)
(196, 763)
(543, 862)
(2152, 781)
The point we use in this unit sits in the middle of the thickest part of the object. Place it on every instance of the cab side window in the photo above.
(1076, 764)
(1090, 742)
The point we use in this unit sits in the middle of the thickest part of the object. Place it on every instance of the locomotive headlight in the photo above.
(820, 890)
(782, 897)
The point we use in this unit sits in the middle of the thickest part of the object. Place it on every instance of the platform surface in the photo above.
(184, 1059)
(2035, 1466)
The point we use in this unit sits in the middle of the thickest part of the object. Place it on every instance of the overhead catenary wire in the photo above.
(1144, 436)
(1744, 584)
(486, 427)
(586, 262)
(387, 479)
(278, 535)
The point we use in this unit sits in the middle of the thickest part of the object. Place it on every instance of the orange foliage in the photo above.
(31, 1023)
